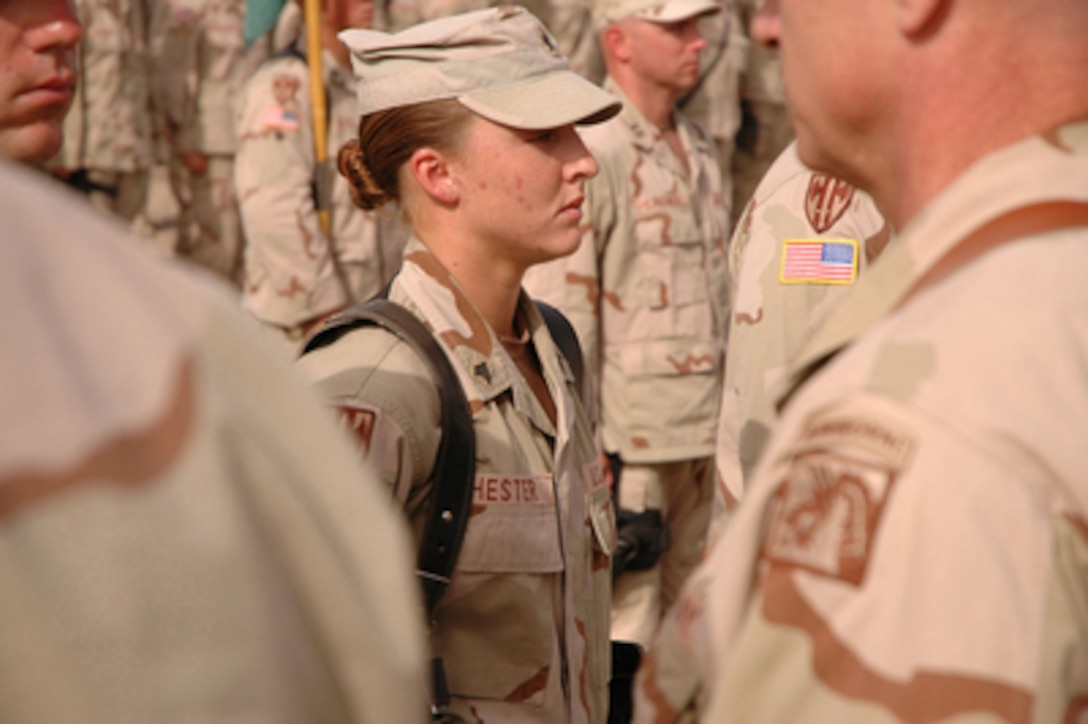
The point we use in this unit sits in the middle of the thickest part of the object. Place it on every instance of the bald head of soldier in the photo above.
(38, 39)
(651, 48)
(900, 97)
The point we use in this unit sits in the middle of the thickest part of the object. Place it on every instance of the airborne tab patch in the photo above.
(830, 502)
(819, 261)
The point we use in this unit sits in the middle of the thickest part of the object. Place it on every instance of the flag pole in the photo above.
(318, 104)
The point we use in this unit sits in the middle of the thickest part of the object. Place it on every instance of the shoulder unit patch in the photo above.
(829, 504)
(826, 200)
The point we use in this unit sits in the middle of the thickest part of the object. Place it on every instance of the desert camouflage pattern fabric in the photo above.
(200, 64)
(647, 290)
(180, 533)
(914, 547)
(109, 125)
(523, 626)
(290, 275)
(773, 313)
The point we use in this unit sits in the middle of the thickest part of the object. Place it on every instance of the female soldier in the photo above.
(468, 122)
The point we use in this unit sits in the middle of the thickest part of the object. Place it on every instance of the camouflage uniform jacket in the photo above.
(290, 275)
(828, 232)
(200, 66)
(179, 525)
(109, 125)
(914, 545)
(523, 627)
(647, 289)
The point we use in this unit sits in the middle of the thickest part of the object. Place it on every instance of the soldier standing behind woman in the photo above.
(107, 132)
(468, 122)
(647, 291)
(199, 64)
(296, 272)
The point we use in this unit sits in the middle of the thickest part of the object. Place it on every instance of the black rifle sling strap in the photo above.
(454, 464)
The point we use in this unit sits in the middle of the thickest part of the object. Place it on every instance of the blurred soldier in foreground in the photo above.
(296, 272)
(184, 533)
(107, 133)
(914, 543)
(199, 64)
(38, 39)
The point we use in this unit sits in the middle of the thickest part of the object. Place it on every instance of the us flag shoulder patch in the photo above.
(278, 118)
(819, 261)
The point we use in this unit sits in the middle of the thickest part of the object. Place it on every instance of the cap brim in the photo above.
(677, 10)
(552, 100)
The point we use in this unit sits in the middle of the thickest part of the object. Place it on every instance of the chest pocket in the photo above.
(514, 526)
(497, 622)
(673, 258)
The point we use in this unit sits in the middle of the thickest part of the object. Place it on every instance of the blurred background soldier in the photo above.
(647, 292)
(199, 64)
(765, 121)
(107, 150)
(396, 15)
(570, 21)
(714, 103)
(296, 271)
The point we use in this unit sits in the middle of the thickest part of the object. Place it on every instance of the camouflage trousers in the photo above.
(682, 490)
(209, 231)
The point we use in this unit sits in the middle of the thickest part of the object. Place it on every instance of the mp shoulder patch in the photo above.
(826, 200)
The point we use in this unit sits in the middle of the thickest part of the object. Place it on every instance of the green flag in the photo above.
(261, 17)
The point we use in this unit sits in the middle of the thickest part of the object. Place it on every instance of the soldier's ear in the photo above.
(431, 170)
(614, 40)
(918, 17)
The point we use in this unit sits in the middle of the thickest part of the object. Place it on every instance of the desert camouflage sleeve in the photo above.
(290, 276)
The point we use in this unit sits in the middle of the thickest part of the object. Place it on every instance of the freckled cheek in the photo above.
(519, 189)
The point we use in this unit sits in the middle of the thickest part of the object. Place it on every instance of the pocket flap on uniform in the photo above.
(514, 527)
(670, 357)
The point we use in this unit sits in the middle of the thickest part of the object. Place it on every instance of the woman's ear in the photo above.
(431, 170)
(916, 17)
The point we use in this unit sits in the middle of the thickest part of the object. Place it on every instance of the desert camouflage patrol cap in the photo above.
(669, 11)
(501, 63)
